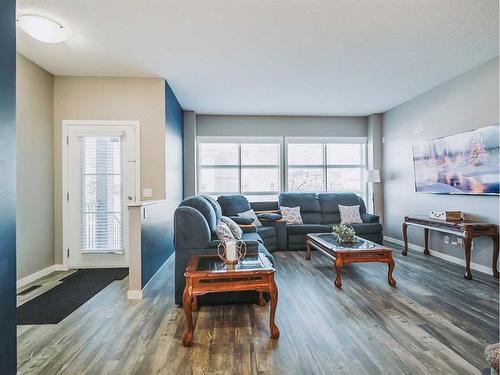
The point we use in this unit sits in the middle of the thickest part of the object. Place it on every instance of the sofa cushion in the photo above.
(330, 205)
(291, 215)
(269, 216)
(308, 228)
(251, 215)
(310, 209)
(223, 231)
(251, 236)
(233, 227)
(266, 232)
(232, 205)
(350, 214)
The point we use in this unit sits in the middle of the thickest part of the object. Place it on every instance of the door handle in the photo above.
(130, 197)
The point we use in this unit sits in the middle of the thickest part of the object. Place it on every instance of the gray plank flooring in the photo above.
(433, 322)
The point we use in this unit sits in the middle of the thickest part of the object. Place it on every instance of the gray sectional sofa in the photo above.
(194, 234)
(196, 218)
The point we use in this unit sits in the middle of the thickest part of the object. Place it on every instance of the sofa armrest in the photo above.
(241, 220)
(370, 218)
(269, 216)
(248, 228)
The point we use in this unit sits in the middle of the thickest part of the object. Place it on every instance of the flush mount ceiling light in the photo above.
(42, 28)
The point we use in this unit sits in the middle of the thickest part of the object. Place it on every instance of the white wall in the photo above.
(464, 103)
(34, 167)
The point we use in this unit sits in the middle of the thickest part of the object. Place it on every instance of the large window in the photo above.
(261, 168)
(337, 167)
(251, 168)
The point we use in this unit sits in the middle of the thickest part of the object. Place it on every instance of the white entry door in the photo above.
(101, 181)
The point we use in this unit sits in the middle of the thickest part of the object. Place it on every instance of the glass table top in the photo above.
(215, 264)
(330, 241)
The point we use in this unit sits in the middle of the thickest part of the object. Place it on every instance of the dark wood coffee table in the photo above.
(208, 274)
(361, 251)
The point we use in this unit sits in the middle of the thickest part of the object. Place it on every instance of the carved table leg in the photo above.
(467, 248)
(262, 300)
(390, 279)
(194, 303)
(338, 270)
(495, 255)
(273, 290)
(186, 303)
(426, 242)
(405, 239)
(308, 250)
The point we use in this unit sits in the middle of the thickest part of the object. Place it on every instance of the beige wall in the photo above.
(35, 167)
(95, 98)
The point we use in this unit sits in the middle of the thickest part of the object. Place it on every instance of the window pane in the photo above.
(260, 154)
(305, 154)
(218, 180)
(305, 179)
(218, 154)
(261, 197)
(344, 154)
(344, 179)
(260, 180)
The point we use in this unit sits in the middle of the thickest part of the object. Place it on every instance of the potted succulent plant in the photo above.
(344, 233)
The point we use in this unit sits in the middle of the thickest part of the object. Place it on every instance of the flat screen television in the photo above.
(464, 163)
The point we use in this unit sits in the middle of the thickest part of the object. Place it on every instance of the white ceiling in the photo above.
(302, 57)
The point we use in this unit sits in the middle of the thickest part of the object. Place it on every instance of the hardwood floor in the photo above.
(433, 322)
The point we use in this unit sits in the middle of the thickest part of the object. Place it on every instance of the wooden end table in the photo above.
(208, 274)
(361, 251)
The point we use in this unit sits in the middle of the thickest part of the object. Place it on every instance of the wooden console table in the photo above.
(468, 230)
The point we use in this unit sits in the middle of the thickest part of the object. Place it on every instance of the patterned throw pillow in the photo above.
(233, 227)
(251, 214)
(223, 231)
(350, 215)
(291, 215)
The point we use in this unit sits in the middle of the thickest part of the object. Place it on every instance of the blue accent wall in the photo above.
(160, 229)
(7, 187)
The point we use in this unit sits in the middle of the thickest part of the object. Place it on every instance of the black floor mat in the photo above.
(57, 303)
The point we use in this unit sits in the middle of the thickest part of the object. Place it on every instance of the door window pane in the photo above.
(218, 180)
(305, 179)
(101, 194)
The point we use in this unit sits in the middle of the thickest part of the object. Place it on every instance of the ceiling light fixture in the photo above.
(42, 28)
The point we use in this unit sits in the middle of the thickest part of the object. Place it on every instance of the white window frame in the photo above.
(239, 141)
(283, 162)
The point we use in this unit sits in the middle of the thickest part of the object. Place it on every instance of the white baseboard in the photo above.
(437, 254)
(38, 275)
(139, 294)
